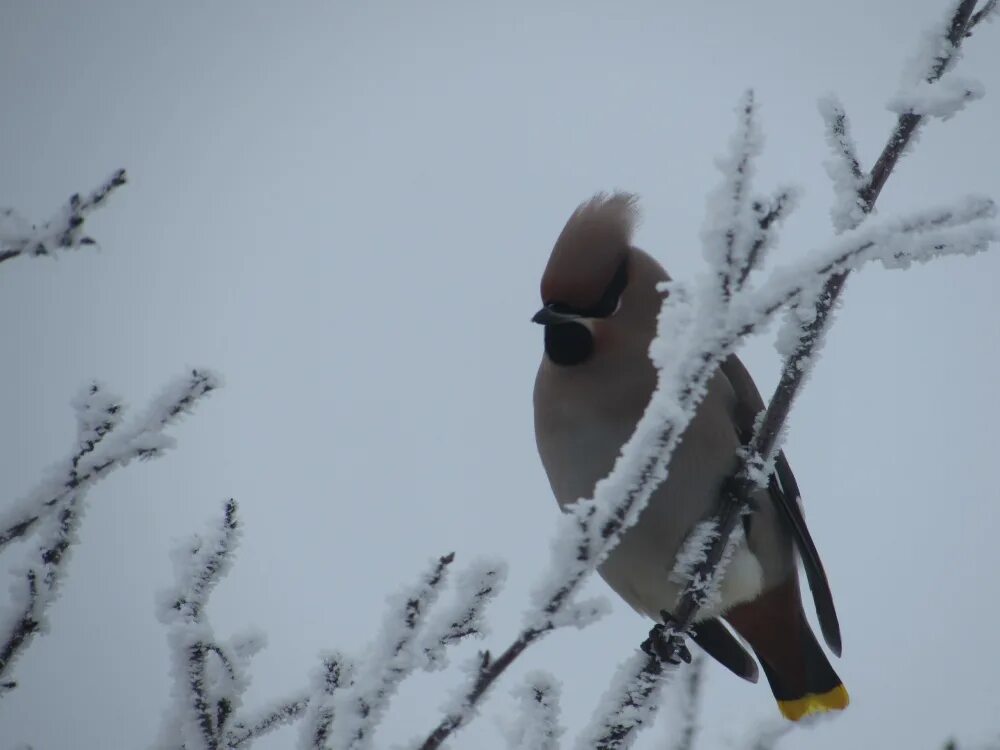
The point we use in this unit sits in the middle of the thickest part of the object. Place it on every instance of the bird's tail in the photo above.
(800, 675)
(814, 689)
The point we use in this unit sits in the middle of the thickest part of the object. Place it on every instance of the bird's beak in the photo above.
(547, 316)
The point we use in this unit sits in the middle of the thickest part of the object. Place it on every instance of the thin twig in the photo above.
(90, 463)
(489, 671)
(243, 731)
(981, 15)
(65, 231)
(337, 672)
(691, 697)
(902, 134)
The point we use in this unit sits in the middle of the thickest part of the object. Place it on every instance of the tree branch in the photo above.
(393, 657)
(205, 701)
(475, 589)
(337, 672)
(64, 231)
(245, 730)
(538, 727)
(53, 511)
(98, 455)
(694, 676)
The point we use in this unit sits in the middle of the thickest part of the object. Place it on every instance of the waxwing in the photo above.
(600, 312)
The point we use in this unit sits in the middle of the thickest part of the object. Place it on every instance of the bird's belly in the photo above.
(581, 448)
(646, 582)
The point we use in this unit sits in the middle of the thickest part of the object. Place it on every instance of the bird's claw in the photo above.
(669, 647)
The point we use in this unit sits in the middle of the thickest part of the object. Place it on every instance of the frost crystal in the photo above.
(943, 98)
(537, 726)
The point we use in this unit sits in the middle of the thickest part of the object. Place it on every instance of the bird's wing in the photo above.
(716, 640)
(784, 493)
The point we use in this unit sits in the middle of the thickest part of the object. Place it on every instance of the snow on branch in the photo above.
(52, 512)
(690, 695)
(63, 231)
(244, 730)
(987, 13)
(626, 705)
(98, 455)
(199, 567)
(346, 699)
(210, 676)
(737, 231)
(537, 727)
(475, 588)
(767, 214)
(337, 671)
(937, 55)
(944, 98)
(962, 229)
(726, 246)
(97, 414)
(393, 656)
(843, 166)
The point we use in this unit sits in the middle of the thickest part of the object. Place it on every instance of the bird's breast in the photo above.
(580, 429)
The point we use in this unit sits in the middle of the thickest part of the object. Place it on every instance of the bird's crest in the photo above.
(590, 249)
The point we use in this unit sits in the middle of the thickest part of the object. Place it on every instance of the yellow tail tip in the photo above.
(832, 700)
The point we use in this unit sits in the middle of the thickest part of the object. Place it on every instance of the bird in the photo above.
(601, 299)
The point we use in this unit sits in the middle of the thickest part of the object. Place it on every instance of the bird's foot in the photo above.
(666, 642)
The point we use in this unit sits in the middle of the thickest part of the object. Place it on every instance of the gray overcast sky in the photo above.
(345, 209)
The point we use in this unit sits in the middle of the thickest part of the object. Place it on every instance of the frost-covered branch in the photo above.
(337, 672)
(936, 57)
(201, 565)
(211, 677)
(250, 728)
(346, 699)
(63, 231)
(723, 229)
(740, 229)
(843, 166)
(537, 727)
(690, 695)
(475, 589)
(986, 13)
(627, 704)
(767, 214)
(938, 54)
(204, 700)
(393, 656)
(53, 511)
(98, 455)
(486, 672)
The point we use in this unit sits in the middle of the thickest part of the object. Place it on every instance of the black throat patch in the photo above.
(568, 344)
